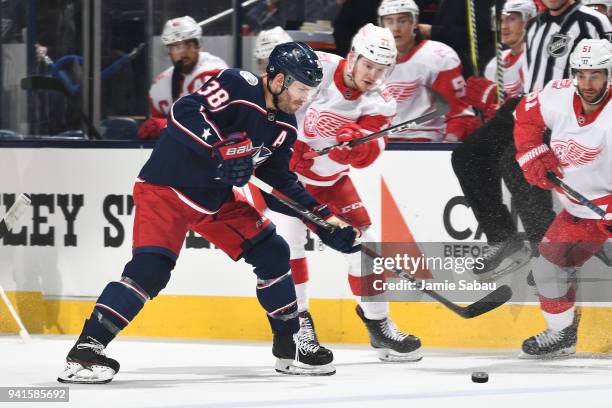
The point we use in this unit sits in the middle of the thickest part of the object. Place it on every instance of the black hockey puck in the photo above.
(480, 377)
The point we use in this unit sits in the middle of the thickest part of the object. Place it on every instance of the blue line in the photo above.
(397, 397)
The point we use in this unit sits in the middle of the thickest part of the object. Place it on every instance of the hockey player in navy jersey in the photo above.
(234, 125)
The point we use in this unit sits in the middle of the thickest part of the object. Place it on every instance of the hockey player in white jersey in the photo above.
(190, 69)
(481, 91)
(264, 44)
(423, 64)
(578, 112)
(351, 104)
(603, 6)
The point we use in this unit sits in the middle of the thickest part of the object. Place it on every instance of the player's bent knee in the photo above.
(148, 273)
(270, 257)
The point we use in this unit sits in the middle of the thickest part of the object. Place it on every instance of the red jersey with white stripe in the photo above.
(160, 94)
(512, 72)
(434, 65)
(337, 105)
(581, 142)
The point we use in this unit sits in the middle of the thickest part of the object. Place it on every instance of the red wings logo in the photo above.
(323, 123)
(402, 90)
(572, 153)
(513, 89)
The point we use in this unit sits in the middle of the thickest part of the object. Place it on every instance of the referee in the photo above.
(488, 155)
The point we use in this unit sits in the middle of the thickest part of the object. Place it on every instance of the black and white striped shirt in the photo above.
(550, 40)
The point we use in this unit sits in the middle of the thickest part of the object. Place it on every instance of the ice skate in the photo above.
(502, 258)
(551, 344)
(301, 353)
(391, 344)
(87, 364)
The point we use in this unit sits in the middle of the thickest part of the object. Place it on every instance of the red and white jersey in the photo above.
(512, 72)
(337, 105)
(581, 142)
(434, 65)
(160, 94)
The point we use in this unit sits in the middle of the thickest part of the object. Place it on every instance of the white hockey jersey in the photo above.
(512, 72)
(335, 106)
(581, 142)
(160, 94)
(434, 65)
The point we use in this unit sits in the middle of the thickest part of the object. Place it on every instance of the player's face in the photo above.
(555, 4)
(512, 27)
(186, 52)
(295, 96)
(591, 83)
(402, 27)
(368, 74)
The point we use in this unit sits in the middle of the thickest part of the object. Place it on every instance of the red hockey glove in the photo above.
(481, 94)
(536, 163)
(346, 133)
(298, 163)
(151, 128)
(365, 154)
(234, 155)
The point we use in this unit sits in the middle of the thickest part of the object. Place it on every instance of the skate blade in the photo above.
(390, 356)
(563, 353)
(509, 265)
(292, 367)
(75, 373)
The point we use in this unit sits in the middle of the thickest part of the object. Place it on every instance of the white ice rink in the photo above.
(207, 374)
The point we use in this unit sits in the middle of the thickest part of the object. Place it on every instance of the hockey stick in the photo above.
(473, 35)
(6, 224)
(499, 73)
(491, 301)
(441, 108)
(575, 195)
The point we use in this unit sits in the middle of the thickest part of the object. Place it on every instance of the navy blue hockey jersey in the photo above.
(231, 102)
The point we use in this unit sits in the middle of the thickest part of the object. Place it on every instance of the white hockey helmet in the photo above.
(268, 39)
(592, 54)
(181, 29)
(388, 7)
(376, 44)
(527, 8)
(606, 3)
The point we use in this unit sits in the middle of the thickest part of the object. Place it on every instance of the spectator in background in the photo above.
(353, 15)
(191, 68)
(290, 14)
(450, 26)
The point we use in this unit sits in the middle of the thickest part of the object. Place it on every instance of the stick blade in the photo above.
(490, 302)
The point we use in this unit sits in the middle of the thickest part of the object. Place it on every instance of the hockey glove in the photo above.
(345, 134)
(151, 128)
(481, 94)
(536, 163)
(298, 164)
(342, 238)
(234, 157)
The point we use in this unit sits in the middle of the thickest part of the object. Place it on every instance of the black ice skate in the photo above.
(87, 364)
(391, 344)
(301, 353)
(551, 343)
(502, 258)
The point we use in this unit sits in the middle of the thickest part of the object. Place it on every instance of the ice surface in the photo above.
(198, 374)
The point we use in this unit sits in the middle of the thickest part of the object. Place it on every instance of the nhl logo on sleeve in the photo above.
(249, 77)
(558, 45)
